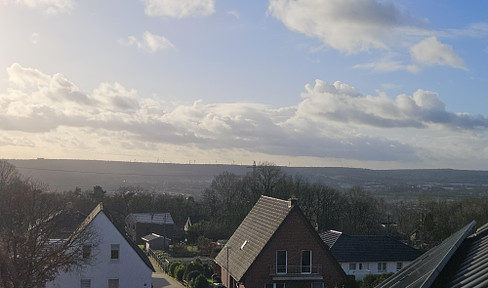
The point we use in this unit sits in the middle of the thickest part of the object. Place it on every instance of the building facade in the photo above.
(115, 261)
(276, 247)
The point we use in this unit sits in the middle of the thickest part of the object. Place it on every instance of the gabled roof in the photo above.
(187, 224)
(469, 265)
(330, 237)
(351, 248)
(154, 218)
(251, 236)
(426, 269)
(100, 209)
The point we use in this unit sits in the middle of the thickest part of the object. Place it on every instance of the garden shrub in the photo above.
(201, 282)
(179, 271)
(171, 268)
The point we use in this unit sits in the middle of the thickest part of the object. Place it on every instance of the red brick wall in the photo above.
(294, 235)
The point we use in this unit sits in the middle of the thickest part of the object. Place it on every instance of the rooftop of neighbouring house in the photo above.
(352, 248)
(460, 261)
(154, 218)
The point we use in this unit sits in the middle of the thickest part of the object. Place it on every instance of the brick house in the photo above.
(139, 225)
(276, 247)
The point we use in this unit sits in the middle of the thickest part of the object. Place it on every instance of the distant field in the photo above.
(191, 179)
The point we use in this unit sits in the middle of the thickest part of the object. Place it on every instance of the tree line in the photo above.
(25, 203)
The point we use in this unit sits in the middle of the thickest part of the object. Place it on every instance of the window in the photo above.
(360, 266)
(281, 262)
(352, 266)
(307, 261)
(86, 251)
(317, 285)
(113, 283)
(275, 285)
(114, 251)
(399, 266)
(381, 267)
(85, 283)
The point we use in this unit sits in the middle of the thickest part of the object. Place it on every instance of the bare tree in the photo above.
(29, 220)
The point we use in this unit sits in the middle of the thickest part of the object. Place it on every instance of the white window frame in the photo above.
(286, 262)
(382, 267)
(309, 264)
(274, 285)
(399, 264)
(352, 266)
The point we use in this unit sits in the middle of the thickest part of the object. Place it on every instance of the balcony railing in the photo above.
(298, 270)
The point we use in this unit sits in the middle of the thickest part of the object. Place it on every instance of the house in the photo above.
(275, 246)
(115, 261)
(156, 242)
(459, 261)
(138, 225)
(363, 255)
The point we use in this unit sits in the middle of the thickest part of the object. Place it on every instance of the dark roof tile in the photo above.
(422, 272)
(348, 248)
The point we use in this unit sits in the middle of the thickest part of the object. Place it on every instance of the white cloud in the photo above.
(179, 8)
(331, 121)
(234, 13)
(150, 42)
(387, 66)
(49, 6)
(34, 38)
(348, 26)
(340, 102)
(431, 52)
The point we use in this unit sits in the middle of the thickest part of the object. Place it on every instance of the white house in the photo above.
(116, 261)
(363, 255)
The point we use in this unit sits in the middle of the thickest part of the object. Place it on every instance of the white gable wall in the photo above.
(131, 271)
(366, 268)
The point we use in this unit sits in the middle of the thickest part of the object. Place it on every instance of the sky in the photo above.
(348, 83)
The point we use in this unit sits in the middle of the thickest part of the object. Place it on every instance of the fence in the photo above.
(162, 263)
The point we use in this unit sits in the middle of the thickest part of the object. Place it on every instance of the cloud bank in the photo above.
(331, 120)
(357, 26)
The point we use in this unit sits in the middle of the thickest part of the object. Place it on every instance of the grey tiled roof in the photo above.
(330, 237)
(251, 236)
(155, 218)
(469, 265)
(349, 248)
(425, 270)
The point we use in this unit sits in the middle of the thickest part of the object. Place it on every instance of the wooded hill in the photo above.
(192, 179)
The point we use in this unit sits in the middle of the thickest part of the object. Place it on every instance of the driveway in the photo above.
(160, 280)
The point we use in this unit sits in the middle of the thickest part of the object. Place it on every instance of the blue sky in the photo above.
(357, 83)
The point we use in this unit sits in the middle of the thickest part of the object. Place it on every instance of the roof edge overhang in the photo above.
(430, 280)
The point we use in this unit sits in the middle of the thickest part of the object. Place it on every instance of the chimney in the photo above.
(292, 202)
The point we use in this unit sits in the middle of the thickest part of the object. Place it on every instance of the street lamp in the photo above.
(228, 247)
